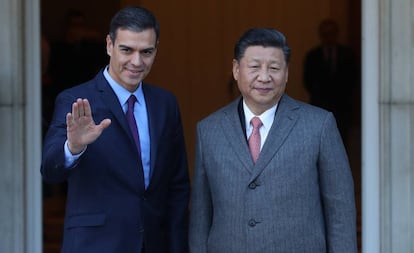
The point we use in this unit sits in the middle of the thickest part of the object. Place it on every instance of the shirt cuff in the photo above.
(70, 159)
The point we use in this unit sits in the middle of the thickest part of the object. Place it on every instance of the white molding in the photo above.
(32, 89)
(370, 127)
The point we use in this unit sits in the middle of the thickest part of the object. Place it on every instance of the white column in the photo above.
(370, 127)
(20, 203)
(388, 126)
(397, 123)
(12, 134)
(33, 128)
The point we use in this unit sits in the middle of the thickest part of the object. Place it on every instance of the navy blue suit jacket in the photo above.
(108, 208)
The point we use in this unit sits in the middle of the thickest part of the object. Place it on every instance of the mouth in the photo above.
(134, 73)
(262, 90)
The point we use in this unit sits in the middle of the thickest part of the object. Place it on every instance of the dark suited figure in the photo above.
(330, 76)
(125, 194)
(294, 191)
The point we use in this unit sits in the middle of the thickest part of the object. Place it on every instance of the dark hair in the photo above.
(135, 19)
(266, 37)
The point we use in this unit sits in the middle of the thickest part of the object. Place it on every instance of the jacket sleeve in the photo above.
(337, 191)
(179, 190)
(53, 157)
(201, 206)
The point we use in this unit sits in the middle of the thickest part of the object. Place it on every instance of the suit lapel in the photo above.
(236, 135)
(110, 99)
(154, 116)
(285, 118)
(155, 127)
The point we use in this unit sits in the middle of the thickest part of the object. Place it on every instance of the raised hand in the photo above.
(81, 128)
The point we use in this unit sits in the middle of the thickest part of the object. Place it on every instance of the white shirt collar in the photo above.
(267, 117)
(122, 93)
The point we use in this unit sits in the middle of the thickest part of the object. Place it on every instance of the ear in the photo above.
(109, 45)
(236, 69)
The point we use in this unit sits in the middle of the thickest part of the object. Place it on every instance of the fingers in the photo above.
(75, 110)
(81, 108)
(104, 123)
(69, 119)
(86, 108)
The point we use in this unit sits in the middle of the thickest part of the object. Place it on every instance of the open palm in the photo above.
(81, 128)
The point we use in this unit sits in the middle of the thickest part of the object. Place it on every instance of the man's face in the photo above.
(261, 76)
(131, 56)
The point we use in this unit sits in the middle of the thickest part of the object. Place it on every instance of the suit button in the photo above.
(252, 185)
(252, 223)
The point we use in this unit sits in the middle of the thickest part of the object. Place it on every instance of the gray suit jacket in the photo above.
(299, 197)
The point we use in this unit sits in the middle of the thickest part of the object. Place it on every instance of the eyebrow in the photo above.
(271, 62)
(144, 49)
(124, 46)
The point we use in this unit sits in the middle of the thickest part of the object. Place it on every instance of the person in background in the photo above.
(271, 173)
(119, 144)
(330, 76)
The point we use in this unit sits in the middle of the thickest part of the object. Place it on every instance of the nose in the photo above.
(136, 59)
(264, 75)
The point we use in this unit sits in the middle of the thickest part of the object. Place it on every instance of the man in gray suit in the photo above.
(297, 195)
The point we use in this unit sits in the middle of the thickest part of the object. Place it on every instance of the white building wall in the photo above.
(370, 127)
(20, 202)
(396, 100)
(388, 126)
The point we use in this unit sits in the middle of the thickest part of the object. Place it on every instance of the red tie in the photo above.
(254, 139)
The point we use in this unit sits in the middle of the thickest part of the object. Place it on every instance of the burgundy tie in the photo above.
(131, 121)
(254, 139)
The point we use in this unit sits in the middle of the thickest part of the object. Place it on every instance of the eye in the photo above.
(148, 52)
(125, 50)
